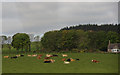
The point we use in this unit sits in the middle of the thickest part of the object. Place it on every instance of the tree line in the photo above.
(20, 42)
(70, 40)
(95, 27)
(75, 38)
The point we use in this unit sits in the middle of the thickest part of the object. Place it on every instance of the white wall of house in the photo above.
(115, 50)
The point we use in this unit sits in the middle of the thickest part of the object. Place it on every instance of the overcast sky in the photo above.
(40, 17)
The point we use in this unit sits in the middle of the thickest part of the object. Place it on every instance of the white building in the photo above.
(114, 47)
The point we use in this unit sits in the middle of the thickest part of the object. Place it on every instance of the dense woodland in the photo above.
(78, 40)
(95, 27)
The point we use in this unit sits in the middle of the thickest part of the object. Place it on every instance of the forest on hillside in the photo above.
(78, 40)
(89, 37)
(95, 27)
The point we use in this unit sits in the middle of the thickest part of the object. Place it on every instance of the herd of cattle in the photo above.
(47, 58)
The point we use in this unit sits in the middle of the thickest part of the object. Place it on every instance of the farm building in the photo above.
(114, 47)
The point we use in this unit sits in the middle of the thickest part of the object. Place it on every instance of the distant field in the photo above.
(108, 64)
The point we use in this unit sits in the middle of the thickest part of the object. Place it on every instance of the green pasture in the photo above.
(108, 64)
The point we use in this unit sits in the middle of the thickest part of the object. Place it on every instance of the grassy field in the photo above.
(108, 64)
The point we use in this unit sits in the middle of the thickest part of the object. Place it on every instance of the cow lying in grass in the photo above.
(47, 58)
(39, 56)
(18, 55)
(48, 55)
(55, 55)
(77, 59)
(21, 55)
(14, 57)
(34, 55)
(66, 62)
(95, 61)
(63, 59)
(49, 61)
(64, 55)
(6, 56)
(29, 55)
(70, 59)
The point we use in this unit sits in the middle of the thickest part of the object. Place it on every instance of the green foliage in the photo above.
(97, 40)
(64, 40)
(36, 46)
(68, 40)
(51, 40)
(95, 27)
(113, 37)
(81, 39)
(21, 41)
(72, 40)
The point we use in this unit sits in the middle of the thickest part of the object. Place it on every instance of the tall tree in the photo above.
(21, 41)
(81, 39)
(113, 37)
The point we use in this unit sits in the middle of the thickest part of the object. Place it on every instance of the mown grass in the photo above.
(108, 64)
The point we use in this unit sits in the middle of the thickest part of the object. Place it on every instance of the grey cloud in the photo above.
(39, 17)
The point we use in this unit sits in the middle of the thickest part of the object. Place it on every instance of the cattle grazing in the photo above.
(14, 57)
(39, 56)
(34, 55)
(54, 55)
(64, 55)
(47, 58)
(52, 61)
(29, 55)
(63, 59)
(72, 59)
(18, 55)
(6, 56)
(21, 55)
(95, 61)
(77, 59)
(68, 60)
(48, 55)
(65, 62)
(47, 61)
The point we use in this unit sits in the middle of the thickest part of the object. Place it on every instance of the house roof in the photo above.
(113, 46)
